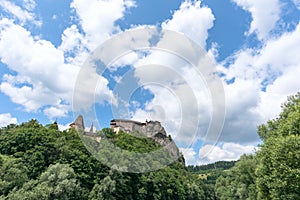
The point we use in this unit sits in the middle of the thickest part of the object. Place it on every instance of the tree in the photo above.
(239, 181)
(279, 169)
(278, 172)
(12, 174)
(287, 123)
(58, 182)
(105, 189)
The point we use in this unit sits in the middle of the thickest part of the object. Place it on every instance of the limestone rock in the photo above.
(151, 129)
(78, 124)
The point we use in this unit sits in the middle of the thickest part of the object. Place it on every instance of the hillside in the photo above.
(41, 162)
(222, 165)
(124, 145)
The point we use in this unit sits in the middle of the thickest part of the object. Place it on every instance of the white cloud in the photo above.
(46, 75)
(42, 76)
(226, 152)
(23, 15)
(6, 119)
(189, 156)
(193, 20)
(71, 39)
(179, 92)
(241, 117)
(182, 93)
(74, 46)
(276, 93)
(274, 67)
(97, 18)
(29, 4)
(264, 14)
(56, 111)
(297, 3)
(63, 127)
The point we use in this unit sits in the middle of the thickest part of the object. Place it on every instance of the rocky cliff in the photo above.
(151, 129)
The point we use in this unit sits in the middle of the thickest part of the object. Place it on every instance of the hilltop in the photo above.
(151, 132)
(41, 162)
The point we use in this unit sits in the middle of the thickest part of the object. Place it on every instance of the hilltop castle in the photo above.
(151, 129)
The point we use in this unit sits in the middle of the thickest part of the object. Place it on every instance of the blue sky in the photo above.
(253, 44)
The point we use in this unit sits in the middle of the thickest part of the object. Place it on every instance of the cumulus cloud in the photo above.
(297, 3)
(225, 152)
(63, 127)
(56, 111)
(37, 63)
(260, 81)
(74, 45)
(264, 14)
(6, 119)
(23, 15)
(45, 75)
(182, 93)
(241, 117)
(97, 18)
(189, 155)
(193, 20)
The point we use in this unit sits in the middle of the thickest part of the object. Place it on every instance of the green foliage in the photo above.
(274, 172)
(12, 174)
(108, 132)
(128, 152)
(239, 181)
(40, 162)
(287, 123)
(170, 183)
(135, 144)
(105, 189)
(58, 182)
(209, 174)
(223, 165)
(278, 171)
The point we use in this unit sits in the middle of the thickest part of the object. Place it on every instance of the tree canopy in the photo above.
(41, 162)
(274, 171)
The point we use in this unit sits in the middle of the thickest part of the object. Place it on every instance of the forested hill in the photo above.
(41, 162)
(222, 165)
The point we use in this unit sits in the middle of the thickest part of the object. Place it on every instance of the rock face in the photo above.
(78, 124)
(151, 129)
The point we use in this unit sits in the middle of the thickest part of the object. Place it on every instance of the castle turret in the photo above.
(78, 123)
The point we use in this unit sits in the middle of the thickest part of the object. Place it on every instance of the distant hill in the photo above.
(223, 165)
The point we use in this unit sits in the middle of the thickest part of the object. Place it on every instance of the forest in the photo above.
(41, 162)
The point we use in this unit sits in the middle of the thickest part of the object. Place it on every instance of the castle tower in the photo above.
(78, 123)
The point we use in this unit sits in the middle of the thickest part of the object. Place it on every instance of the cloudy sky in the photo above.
(253, 44)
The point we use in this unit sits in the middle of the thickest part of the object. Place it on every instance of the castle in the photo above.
(148, 128)
(151, 129)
